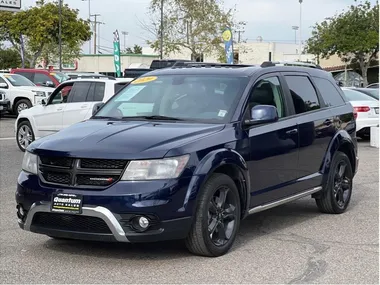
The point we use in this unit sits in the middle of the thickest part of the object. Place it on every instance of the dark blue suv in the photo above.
(188, 152)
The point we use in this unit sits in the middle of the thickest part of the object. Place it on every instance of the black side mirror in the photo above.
(262, 114)
(97, 107)
(43, 102)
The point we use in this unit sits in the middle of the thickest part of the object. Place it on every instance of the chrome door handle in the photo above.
(292, 132)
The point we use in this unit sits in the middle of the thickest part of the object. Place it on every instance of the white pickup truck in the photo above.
(72, 102)
(21, 92)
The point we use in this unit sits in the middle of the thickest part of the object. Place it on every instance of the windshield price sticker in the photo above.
(129, 93)
(144, 80)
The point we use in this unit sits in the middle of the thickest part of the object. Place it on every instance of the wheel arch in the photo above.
(19, 98)
(224, 161)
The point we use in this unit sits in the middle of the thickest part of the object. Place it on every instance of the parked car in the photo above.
(373, 85)
(70, 103)
(42, 77)
(21, 92)
(4, 103)
(76, 75)
(374, 93)
(208, 147)
(366, 111)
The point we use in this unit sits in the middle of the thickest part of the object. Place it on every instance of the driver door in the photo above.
(50, 119)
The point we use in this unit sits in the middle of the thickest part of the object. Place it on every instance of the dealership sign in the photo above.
(10, 5)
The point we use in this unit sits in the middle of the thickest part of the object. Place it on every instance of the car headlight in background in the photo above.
(167, 168)
(29, 163)
(39, 93)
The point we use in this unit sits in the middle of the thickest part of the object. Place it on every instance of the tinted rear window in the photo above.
(329, 92)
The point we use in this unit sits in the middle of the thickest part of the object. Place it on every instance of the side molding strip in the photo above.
(284, 201)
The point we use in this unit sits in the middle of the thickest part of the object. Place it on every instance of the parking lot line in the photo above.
(7, 139)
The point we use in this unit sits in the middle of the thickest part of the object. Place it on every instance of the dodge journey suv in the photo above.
(188, 152)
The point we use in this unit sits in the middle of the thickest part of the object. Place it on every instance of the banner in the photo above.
(116, 53)
(228, 45)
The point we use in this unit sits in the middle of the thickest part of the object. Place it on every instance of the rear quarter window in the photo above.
(329, 92)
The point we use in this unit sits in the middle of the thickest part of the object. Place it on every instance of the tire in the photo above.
(21, 105)
(200, 241)
(337, 191)
(24, 135)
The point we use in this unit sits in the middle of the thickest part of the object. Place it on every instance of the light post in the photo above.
(60, 35)
(162, 31)
(295, 28)
(300, 43)
(125, 34)
(89, 19)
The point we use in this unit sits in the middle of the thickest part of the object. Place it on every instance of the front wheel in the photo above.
(337, 192)
(21, 105)
(24, 135)
(217, 217)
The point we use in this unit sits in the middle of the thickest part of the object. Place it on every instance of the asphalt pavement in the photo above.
(291, 244)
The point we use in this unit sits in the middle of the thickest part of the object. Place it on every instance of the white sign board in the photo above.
(10, 5)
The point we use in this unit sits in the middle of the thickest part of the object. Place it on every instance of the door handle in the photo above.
(292, 132)
(59, 109)
(84, 106)
(327, 122)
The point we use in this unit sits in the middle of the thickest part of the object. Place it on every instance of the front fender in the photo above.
(341, 138)
(207, 167)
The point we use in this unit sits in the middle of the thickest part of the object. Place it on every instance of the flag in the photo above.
(228, 45)
(116, 53)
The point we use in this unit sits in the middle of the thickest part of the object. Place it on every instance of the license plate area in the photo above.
(377, 110)
(66, 203)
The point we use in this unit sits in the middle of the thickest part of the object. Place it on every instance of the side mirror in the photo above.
(49, 84)
(3, 85)
(96, 108)
(43, 102)
(262, 114)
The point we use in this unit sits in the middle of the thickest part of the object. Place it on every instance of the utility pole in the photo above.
(95, 25)
(300, 44)
(162, 31)
(295, 28)
(60, 35)
(125, 34)
(99, 23)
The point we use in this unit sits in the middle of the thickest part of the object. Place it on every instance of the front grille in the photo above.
(80, 172)
(1, 97)
(103, 163)
(73, 223)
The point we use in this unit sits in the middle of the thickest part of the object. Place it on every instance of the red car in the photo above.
(42, 77)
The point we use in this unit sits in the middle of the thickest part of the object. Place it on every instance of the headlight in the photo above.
(166, 168)
(39, 93)
(29, 163)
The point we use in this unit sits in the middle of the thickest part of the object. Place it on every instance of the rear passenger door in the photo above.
(77, 105)
(273, 162)
(315, 125)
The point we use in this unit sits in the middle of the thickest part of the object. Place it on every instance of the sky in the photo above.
(270, 19)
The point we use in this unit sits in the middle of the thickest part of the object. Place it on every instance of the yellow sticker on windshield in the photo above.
(144, 80)
(52, 73)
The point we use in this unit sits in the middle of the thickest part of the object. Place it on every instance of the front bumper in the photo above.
(108, 213)
(5, 106)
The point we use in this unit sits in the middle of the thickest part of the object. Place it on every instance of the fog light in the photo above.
(143, 223)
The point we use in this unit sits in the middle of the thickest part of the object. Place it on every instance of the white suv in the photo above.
(21, 92)
(72, 102)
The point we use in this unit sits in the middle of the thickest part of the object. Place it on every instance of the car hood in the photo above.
(35, 88)
(121, 139)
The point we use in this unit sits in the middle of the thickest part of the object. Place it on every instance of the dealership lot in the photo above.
(293, 243)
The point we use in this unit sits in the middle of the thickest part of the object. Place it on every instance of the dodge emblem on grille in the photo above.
(101, 179)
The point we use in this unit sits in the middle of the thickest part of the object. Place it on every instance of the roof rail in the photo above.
(210, 64)
(290, 63)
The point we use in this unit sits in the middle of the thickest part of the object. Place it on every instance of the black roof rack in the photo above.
(290, 63)
(210, 64)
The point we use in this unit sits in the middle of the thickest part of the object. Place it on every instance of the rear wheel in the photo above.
(336, 194)
(217, 217)
(24, 135)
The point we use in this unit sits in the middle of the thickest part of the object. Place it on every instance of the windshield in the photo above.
(18, 80)
(353, 95)
(184, 97)
(61, 77)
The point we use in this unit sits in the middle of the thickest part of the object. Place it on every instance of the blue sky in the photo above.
(270, 19)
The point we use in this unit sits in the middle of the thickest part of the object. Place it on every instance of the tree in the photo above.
(39, 27)
(193, 25)
(353, 35)
(136, 50)
(9, 58)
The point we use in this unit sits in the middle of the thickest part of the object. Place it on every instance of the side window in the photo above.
(60, 96)
(79, 92)
(304, 96)
(40, 78)
(100, 88)
(268, 91)
(29, 75)
(3, 81)
(329, 92)
(119, 86)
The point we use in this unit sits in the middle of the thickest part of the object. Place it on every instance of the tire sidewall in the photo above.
(25, 123)
(339, 157)
(210, 189)
(26, 101)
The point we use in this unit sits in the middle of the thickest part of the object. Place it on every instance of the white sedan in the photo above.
(366, 110)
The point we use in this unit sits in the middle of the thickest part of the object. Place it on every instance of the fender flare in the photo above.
(207, 167)
(341, 138)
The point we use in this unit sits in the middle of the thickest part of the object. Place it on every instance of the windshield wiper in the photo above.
(107, 118)
(155, 117)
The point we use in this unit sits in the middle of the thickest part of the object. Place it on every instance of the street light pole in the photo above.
(162, 31)
(300, 43)
(60, 35)
(295, 28)
(125, 34)
(89, 19)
